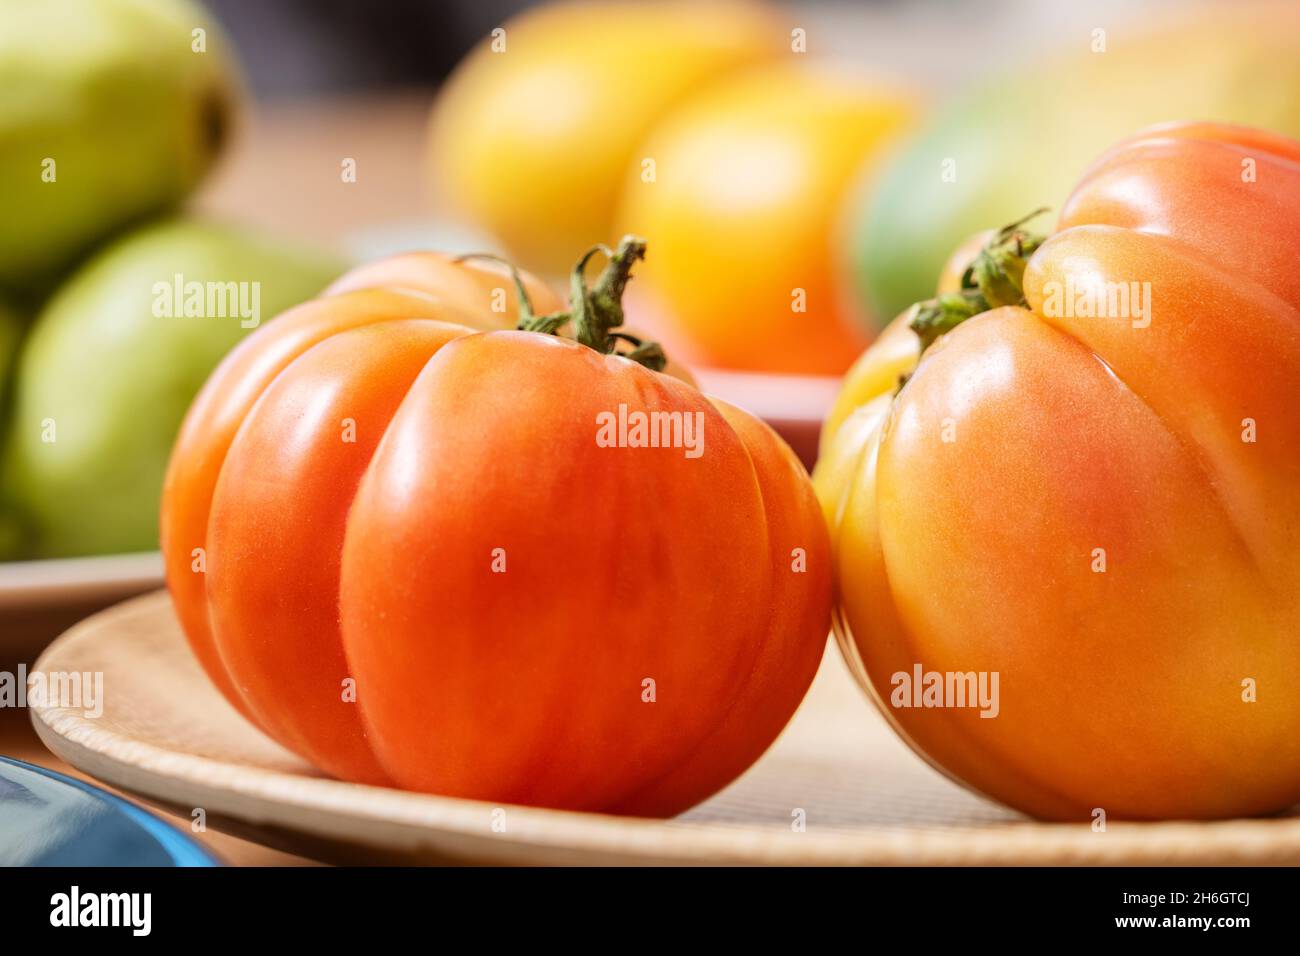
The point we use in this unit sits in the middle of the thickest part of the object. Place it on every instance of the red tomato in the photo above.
(393, 502)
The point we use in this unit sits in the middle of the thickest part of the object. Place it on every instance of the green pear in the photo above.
(113, 361)
(11, 526)
(11, 331)
(111, 111)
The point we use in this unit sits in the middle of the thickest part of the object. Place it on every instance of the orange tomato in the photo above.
(742, 210)
(1096, 497)
(390, 500)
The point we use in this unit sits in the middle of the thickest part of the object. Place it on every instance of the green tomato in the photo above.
(1021, 141)
(112, 363)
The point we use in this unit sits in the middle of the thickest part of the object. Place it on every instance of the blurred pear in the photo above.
(10, 333)
(113, 361)
(110, 111)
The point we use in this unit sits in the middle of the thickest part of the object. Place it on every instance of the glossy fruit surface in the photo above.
(534, 131)
(1021, 140)
(398, 545)
(1097, 498)
(743, 210)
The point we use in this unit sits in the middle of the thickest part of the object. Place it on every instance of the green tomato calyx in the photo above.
(994, 279)
(596, 311)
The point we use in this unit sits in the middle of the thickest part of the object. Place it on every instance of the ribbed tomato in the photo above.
(447, 559)
(1094, 496)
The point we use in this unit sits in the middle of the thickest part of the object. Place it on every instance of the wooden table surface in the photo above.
(283, 170)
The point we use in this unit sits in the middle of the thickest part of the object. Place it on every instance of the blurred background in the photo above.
(295, 48)
(302, 54)
(801, 171)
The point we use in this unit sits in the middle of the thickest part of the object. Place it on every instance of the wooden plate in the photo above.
(28, 584)
(166, 735)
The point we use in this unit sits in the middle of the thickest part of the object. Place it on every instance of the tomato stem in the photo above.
(525, 303)
(995, 278)
(595, 311)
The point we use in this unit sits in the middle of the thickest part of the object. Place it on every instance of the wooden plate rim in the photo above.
(397, 821)
(42, 582)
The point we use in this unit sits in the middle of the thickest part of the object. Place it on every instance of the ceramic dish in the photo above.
(48, 819)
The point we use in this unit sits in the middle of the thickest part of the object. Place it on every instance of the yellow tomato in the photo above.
(533, 132)
(741, 208)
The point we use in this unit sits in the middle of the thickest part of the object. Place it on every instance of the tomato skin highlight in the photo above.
(222, 404)
(292, 470)
(210, 427)
(369, 555)
(1097, 529)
